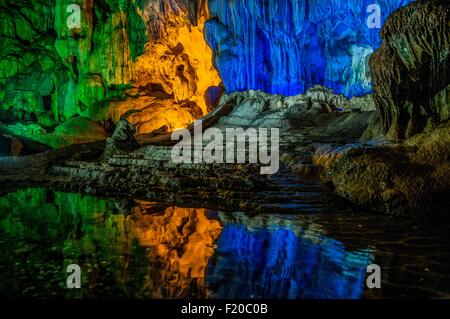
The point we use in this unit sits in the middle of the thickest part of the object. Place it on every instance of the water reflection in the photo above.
(285, 263)
(180, 244)
(136, 249)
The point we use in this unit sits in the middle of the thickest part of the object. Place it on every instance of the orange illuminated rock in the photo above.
(171, 77)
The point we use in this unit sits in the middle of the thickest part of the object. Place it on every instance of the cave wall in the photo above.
(29, 65)
(131, 58)
(287, 46)
(177, 64)
(411, 69)
(163, 64)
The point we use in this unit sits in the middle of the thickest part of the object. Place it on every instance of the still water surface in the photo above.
(136, 249)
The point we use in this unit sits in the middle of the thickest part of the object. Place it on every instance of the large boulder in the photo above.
(410, 71)
(122, 141)
(411, 179)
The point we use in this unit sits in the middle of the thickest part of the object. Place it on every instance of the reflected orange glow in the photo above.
(180, 243)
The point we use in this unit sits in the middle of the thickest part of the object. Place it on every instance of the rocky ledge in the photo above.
(410, 179)
(321, 135)
(141, 165)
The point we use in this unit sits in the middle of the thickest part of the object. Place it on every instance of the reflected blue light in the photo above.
(279, 263)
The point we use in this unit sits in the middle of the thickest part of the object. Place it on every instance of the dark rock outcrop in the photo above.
(14, 146)
(411, 179)
(122, 141)
(410, 71)
(10, 145)
(412, 94)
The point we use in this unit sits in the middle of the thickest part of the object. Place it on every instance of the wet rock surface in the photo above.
(258, 109)
(149, 172)
(317, 138)
(409, 179)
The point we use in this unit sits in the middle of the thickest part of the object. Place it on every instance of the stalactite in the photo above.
(288, 46)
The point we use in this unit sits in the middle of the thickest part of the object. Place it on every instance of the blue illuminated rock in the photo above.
(287, 46)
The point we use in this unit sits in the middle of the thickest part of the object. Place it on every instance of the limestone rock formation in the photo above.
(285, 47)
(259, 109)
(174, 71)
(411, 69)
(409, 180)
(411, 91)
(13, 146)
(122, 141)
(151, 61)
(62, 59)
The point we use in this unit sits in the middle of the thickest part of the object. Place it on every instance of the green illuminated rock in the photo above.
(52, 72)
